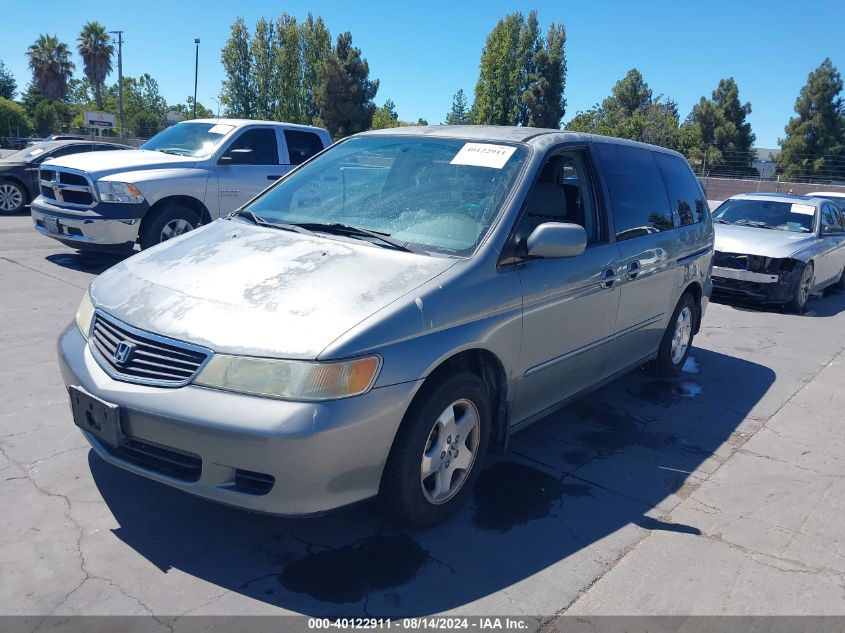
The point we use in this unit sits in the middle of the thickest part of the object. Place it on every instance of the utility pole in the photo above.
(196, 73)
(120, 78)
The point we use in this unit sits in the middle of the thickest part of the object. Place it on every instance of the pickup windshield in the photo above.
(188, 139)
(439, 195)
(768, 214)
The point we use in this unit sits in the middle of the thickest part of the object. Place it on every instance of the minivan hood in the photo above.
(100, 164)
(764, 242)
(244, 289)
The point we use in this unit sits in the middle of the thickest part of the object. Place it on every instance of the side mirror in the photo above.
(556, 240)
(237, 157)
(829, 229)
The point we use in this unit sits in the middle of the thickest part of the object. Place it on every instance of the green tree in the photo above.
(263, 71)
(632, 112)
(45, 118)
(187, 109)
(543, 98)
(13, 119)
(386, 116)
(718, 128)
(96, 50)
(497, 92)
(814, 147)
(522, 74)
(8, 85)
(345, 92)
(288, 60)
(316, 47)
(238, 93)
(631, 93)
(459, 114)
(51, 67)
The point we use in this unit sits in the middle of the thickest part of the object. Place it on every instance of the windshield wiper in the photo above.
(353, 231)
(757, 224)
(258, 220)
(721, 221)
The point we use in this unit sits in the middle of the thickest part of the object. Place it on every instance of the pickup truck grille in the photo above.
(133, 355)
(67, 187)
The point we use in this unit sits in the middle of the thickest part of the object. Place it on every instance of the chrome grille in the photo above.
(67, 187)
(133, 355)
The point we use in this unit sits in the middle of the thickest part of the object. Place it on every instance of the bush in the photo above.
(45, 118)
(13, 119)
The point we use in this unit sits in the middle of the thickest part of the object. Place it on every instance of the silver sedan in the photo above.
(778, 248)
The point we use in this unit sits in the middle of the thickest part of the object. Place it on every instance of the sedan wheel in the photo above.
(802, 289)
(11, 198)
(449, 451)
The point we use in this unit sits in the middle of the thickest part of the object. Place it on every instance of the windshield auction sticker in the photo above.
(483, 155)
(803, 209)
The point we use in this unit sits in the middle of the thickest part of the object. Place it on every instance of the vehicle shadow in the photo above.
(86, 262)
(830, 303)
(616, 460)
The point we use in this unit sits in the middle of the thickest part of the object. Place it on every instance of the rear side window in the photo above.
(302, 145)
(637, 193)
(685, 196)
(262, 142)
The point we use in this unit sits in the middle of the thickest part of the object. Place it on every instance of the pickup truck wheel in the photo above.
(439, 450)
(677, 339)
(166, 224)
(12, 197)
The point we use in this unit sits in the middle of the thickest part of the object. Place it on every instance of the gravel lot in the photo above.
(721, 492)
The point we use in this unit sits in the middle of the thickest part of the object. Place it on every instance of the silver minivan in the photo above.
(388, 313)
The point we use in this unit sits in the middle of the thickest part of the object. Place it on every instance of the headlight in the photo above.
(124, 192)
(290, 379)
(84, 314)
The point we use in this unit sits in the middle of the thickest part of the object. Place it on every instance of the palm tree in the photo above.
(51, 67)
(96, 51)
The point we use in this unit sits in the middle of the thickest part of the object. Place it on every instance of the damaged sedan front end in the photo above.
(755, 277)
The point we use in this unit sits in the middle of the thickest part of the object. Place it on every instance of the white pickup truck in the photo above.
(187, 175)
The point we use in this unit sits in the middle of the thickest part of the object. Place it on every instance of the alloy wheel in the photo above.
(804, 285)
(11, 197)
(450, 451)
(682, 336)
(175, 227)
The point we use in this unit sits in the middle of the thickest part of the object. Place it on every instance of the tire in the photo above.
(13, 197)
(424, 442)
(840, 285)
(174, 219)
(676, 343)
(801, 289)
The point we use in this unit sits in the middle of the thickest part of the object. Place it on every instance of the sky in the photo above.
(423, 52)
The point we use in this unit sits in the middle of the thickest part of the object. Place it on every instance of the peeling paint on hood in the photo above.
(749, 240)
(244, 289)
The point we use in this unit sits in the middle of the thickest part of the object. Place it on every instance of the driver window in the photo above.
(563, 193)
(262, 142)
(828, 216)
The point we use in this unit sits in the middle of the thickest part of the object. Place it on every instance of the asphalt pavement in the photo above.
(720, 492)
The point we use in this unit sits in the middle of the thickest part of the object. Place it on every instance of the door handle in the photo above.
(273, 176)
(608, 277)
(632, 270)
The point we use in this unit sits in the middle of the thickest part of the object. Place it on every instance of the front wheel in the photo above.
(801, 289)
(168, 223)
(438, 451)
(676, 343)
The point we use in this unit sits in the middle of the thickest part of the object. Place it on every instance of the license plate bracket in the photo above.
(98, 417)
(52, 224)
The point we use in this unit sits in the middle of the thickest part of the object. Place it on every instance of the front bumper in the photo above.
(754, 286)
(89, 229)
(320, 455)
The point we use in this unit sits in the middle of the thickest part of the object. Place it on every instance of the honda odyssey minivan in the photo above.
(388, 313)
